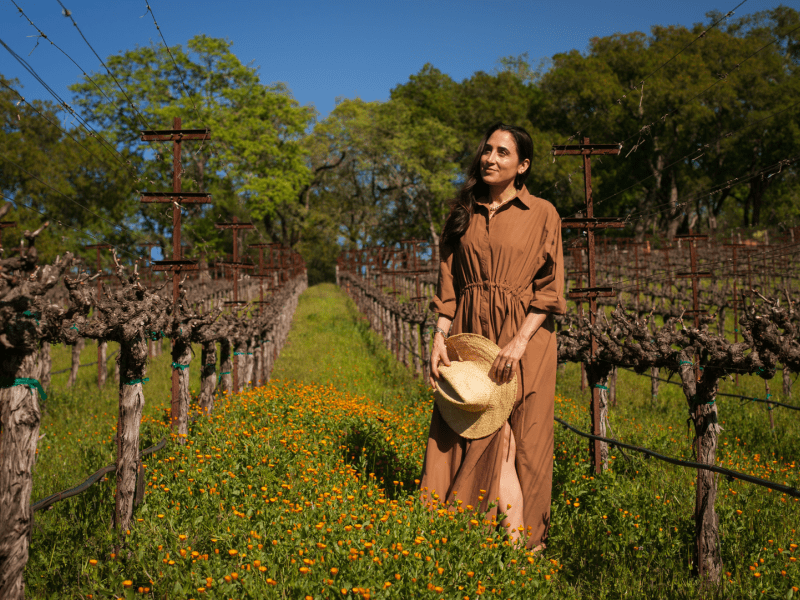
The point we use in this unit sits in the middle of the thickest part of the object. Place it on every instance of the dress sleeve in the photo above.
(444, 302)
(548, 282)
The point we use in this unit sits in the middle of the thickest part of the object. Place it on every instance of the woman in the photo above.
(501, 276)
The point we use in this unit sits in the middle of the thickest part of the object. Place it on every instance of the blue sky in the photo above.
(325, 50)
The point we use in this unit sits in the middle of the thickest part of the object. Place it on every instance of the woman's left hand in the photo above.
(510, 354)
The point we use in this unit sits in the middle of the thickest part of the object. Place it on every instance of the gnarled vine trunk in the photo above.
(703, 410)
(249, 364)
(181, 359)
(226, 366)
(269, 359)
(654, 381)
(258, 368)
(132, 360)
(76, 361)
(240, 364)
(20, 418)
(45, 365)
(208, 376)
(102, 369)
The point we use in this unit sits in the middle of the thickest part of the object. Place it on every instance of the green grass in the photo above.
(331, 343)
(318, 474)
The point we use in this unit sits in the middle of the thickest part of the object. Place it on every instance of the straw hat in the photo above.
(473, 405)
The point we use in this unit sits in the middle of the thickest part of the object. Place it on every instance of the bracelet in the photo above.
(438, 329)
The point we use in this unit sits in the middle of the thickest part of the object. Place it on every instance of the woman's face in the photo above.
(500, 162)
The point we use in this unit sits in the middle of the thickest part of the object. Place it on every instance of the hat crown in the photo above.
(468, 386)
(470, 402)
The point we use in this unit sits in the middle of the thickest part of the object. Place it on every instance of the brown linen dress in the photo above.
(501, 268)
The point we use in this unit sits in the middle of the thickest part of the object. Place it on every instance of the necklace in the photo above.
(493, 209)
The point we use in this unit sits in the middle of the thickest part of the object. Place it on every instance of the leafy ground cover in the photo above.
(306, 488)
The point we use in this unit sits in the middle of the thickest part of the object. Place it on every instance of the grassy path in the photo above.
(330, 343)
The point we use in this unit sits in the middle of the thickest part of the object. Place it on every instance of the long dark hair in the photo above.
(463, 205)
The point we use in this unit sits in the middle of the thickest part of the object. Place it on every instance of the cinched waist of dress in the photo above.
(492, 284)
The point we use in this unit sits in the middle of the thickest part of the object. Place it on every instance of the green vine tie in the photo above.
(29, 381)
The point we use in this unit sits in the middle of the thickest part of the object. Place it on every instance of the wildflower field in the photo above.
(306, 488)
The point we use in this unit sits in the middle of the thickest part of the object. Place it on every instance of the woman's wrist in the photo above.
(437, 329)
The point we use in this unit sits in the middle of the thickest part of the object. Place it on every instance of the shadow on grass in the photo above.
(367, 451)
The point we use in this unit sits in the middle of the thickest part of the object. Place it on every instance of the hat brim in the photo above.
(475, 425)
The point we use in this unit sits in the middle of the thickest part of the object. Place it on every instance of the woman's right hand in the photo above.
(439, 353)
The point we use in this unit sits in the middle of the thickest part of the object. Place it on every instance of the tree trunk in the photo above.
(415, 349)
(249, 363)
(226, 366)
(433, 227)
(703, 410)
(269, 361)
(676, 216)
(101, 364)
(787, 382)
(603, 418)
(425, 346)
(181, 359)
(239, 360)
(20, 417)
(208, 376)
(612, 386)
(45, 365)
(258, 376)
(132, 361)
(76, 362)
(769, 407)
(654, 374)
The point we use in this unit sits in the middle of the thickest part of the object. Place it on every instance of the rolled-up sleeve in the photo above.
(548, 282)
(444, 302)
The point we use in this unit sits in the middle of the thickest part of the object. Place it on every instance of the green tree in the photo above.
(383, 172)
(255, 163)
(80, 185)
(674, 126)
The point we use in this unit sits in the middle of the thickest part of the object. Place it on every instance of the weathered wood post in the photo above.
(177, 198)
(235, 266)
(590, 223)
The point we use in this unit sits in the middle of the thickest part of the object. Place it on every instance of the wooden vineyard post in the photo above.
(578, 273)
(235, 266)
(590, 223)
(176, 135)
